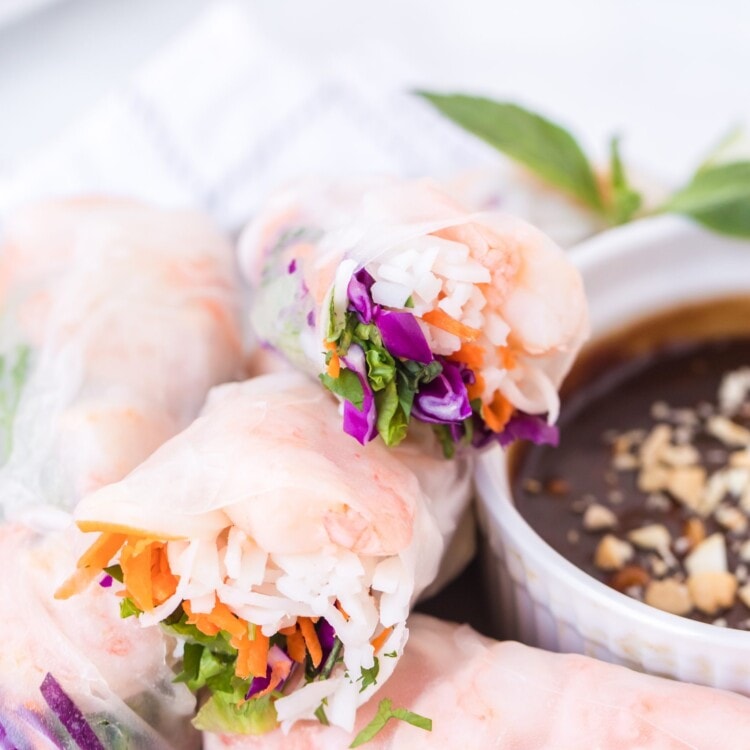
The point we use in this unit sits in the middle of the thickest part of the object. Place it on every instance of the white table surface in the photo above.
(672, 75)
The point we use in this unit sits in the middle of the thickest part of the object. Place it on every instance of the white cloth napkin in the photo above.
(221, 117)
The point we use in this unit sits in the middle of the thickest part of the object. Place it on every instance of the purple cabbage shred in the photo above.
(71, 717)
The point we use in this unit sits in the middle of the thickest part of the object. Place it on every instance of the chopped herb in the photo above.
(369, 676)
(391, 654)
(320, 713)
(384, 714)
(409, 302)
(333, 658)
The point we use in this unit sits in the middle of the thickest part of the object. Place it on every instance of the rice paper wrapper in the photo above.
(118, 675)
(128, 315)
(504, 694)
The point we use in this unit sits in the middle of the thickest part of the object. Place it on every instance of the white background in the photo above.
(671, 75)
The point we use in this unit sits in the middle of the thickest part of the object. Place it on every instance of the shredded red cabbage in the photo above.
(71, 717)
(360, 295)
(529, 427)
(402, 336)
(361, 424)
(5, 742)
(106, 582)
(292, 267)
(445, 399)
(275, 655)
(326, 636)
(521, 426)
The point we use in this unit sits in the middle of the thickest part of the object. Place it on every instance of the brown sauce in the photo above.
(677, 358)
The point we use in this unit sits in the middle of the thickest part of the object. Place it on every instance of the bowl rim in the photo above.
(493, 464)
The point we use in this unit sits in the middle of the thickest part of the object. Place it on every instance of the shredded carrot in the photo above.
(136, 574)
(76, 583)
(507, 358)
(101, 551)
(279, 672)
(252, 655)
(475, 389)
(497, 414)
(442, 320)
(341, 609)
(378, 641)
(295, 646)
(224, 619)
(334, 363)
(291, 630)
(311, 640)
(471, 355)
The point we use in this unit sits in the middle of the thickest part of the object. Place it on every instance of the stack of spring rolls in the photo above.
(247, 568)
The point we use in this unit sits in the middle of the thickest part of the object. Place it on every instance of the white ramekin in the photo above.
(536, 595)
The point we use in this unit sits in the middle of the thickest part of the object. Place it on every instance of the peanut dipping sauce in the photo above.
(656, 380)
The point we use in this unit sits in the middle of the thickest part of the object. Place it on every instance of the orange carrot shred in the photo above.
(291, 630)
(445, 322)
(471, 355)
(252, 655)
(334, 366)
(224, 619)
(311, 640)
(507, 358)
(279, 672)
(497, 414)
(136, 575)
(101, 551)
(341, 609)
(378, 641)
(295, 646)
(475, 389)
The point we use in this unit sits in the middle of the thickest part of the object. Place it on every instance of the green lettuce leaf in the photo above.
(542, 146)
(346, 385)
(221, 714)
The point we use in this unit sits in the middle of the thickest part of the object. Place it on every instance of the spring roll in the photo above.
(74, 674)
(410, 307)
(282, 552)
(455, 688)
(129, 315)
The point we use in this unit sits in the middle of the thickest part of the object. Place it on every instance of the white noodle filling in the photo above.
(272, 591)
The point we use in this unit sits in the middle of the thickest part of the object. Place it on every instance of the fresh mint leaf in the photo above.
(542, 146)
(386, 712)
(625, 200)
(718, 197)
(221, 714)
(346, 385)
(369, 676)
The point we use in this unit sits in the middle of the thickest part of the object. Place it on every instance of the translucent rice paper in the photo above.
(116, 673)
(481, 694)
(130, 314)
(448, 484)
(267, 460)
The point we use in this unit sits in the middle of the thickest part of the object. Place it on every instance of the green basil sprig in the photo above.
(717, 196)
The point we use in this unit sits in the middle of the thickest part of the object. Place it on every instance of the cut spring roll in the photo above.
(129, 315)
(282, 552)
(74, 674)
(482, 694)
(410, 307)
